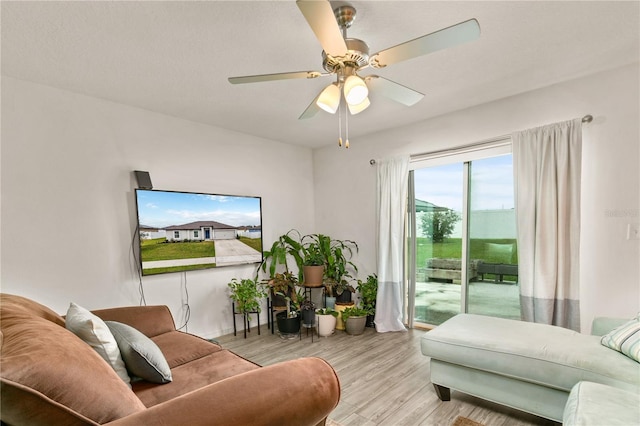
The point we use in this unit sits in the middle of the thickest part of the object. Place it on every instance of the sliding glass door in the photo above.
(438, 242)
(493, 253)
(462, 244)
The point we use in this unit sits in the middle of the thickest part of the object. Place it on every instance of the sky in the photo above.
(163, 208)
(491, 184)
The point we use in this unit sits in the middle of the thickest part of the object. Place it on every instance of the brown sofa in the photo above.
(50, 376)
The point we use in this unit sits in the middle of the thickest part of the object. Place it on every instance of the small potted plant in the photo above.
(281, 286)
(369, 292)
(326, 321)
(355, 319)
(308, 312)
(341, 290)
(247, 295)
(289, 320)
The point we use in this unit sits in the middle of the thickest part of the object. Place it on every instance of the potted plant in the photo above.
(355, 319)
(341, 290)
(326, 321)
(308, 312)
(340, 307)
(285, 246)
(312, 263)
(281, 286)
(369, 292)
(337, 256)
(289, 320)
(247, 295)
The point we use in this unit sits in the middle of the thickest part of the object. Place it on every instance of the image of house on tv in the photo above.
(209, 230)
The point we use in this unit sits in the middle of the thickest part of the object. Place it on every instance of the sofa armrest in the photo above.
(602, 325)
(150, 320)
(300, 392)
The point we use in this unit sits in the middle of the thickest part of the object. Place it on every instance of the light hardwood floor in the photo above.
(383, 376)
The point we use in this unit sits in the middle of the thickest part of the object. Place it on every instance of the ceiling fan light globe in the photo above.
(355, 90)
(329, 99)
(355, 109)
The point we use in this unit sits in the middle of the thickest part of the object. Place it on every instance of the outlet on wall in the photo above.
(633, 231)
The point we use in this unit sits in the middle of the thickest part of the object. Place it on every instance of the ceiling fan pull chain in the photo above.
(346, 132)
(340, 123)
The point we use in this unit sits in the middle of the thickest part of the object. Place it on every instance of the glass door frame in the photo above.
(465, 155)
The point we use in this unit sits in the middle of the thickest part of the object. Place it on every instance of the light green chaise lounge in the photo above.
(528, 366)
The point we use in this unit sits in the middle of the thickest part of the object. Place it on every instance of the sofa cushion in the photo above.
(194, 375)
(625, 339)
(498, 253)
(141, 356)
(593, 404)
(149, 320)
(75, 385)
(180, 348)
(96, 334)
(547, 355)
(30, 307)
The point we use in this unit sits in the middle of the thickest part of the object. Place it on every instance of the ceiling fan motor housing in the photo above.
(356, 57)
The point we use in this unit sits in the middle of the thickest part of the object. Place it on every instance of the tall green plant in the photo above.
(311, 255)
(337, 256)
(287, 245)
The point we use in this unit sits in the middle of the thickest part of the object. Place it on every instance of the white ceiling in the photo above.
(175, 57)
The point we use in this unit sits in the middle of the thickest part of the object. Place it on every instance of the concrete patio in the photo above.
(437, 302)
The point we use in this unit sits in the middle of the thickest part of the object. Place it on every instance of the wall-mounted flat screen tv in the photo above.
(184, 231)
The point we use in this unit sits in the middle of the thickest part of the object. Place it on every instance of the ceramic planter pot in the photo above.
(287, 326)
(313, 275)
(341, 307)
(355, 325)
(277, 300)
(330, 302)
(309, 317)
(371, 321)
(326, 325)
(344, 297)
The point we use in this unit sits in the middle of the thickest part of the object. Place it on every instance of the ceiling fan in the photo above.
(345, 57)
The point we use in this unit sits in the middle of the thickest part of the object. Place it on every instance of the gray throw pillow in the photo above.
(142, 357)
(93, 331)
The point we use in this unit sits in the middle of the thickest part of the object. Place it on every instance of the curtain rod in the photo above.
(586, 119)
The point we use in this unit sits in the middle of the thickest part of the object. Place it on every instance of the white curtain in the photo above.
(393, 178)
(547, 165)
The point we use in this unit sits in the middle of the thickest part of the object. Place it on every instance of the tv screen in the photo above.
(185, 231)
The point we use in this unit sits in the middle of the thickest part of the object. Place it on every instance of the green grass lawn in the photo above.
(157, 249)
(452, 248)
(154, 271)
(254, 243)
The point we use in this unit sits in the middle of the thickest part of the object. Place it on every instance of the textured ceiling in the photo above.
(175, 57)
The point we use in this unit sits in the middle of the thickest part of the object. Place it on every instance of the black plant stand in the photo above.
(308, 326)
(308, 293)
(245, 320)
(270, 314)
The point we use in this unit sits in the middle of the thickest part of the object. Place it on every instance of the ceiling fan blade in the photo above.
(311, 110)
(272, 77)
(320, 17)
(447, 37)
(392, 90)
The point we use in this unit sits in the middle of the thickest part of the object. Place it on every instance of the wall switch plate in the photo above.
(633, 231)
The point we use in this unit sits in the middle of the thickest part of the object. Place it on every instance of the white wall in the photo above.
(68, 207)
(610, 265)
(66, 174)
